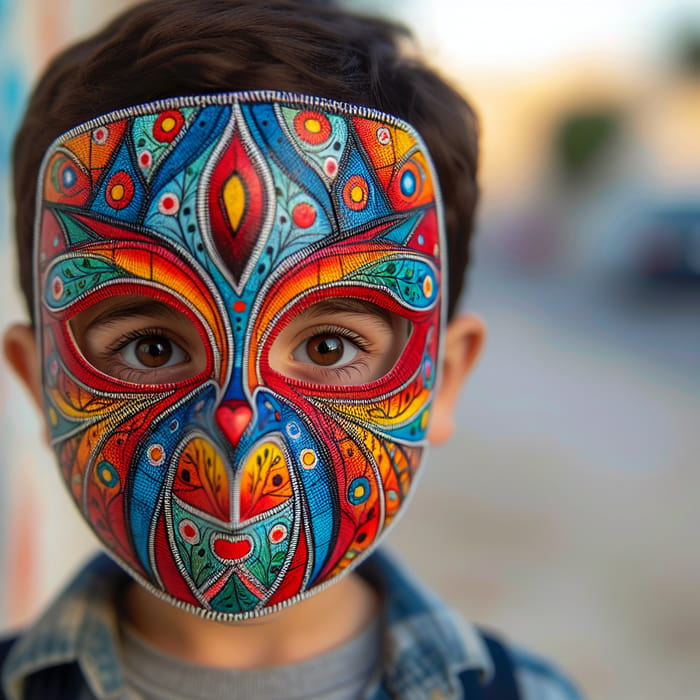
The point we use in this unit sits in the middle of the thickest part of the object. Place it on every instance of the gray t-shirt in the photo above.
(339, 674)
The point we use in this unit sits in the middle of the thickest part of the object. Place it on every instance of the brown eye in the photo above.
(138, 340)
(153, 351)
(326, 350)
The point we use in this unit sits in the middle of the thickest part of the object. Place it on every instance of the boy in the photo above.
(237, 308)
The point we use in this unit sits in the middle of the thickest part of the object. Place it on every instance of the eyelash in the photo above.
(118, 345)
(345, 371)
(362, 343)
(115, 367)
(356, 366)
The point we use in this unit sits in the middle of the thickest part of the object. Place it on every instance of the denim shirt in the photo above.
(426, 645)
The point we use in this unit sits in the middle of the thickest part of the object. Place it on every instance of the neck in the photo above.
(294, 634)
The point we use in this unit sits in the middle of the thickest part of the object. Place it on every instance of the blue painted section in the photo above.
(318, 485)
(402, 232)
(205, 131)
(267, 132)
(183, 227)
(376, 206)
(123, 162)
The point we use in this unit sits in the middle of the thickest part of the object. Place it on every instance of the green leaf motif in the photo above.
(71, 278)
(234, 597)
(412, 281)
(201, 563)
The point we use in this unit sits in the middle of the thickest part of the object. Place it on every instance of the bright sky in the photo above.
(493, 34)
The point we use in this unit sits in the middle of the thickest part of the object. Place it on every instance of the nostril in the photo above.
(233, 418)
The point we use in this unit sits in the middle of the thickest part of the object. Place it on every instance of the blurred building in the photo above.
(577, 160)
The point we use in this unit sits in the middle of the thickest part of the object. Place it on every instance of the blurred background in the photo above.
(565, 511)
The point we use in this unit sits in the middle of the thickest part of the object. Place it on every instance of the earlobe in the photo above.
(464, 338)
(21, 353)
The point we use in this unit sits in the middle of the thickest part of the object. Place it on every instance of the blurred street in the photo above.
(564, 511)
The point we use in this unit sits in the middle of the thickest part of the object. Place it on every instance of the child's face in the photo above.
(239, 314)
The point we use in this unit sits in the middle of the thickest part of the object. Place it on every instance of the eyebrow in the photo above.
(346, 305)
(130, 310)
(157, 308)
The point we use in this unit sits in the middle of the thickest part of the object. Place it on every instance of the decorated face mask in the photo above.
(239, 311)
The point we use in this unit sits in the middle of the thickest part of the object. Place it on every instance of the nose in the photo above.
(233, 418)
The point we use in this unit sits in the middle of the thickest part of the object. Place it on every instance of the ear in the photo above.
(463, 340)
(22, 354)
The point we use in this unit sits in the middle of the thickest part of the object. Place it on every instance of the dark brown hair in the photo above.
(167, 48)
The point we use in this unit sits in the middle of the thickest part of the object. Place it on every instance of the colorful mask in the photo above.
(239, 490)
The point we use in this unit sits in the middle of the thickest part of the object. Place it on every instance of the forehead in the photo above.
(242, 185)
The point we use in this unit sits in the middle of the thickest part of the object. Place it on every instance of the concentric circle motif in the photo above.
(383, 136)
(408, 182)
(189, 531)
(107, 474)
(68, 176)
(168, 125)
(169, 204)
(356, 193)
(330, 166)
(100, 135)
(293, 430)
(145, 159)
(57, 288)
(308, 458)
(312, 127)
(278, 533)
(155, 455)
(358, 491)
(428, 286)
(120, 190)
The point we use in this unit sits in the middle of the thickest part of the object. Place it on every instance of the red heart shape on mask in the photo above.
(232, 549)
(233, 418)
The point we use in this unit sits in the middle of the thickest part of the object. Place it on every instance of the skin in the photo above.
(333, 342)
